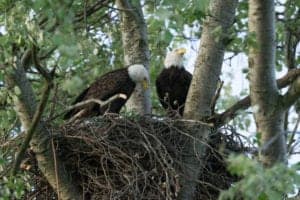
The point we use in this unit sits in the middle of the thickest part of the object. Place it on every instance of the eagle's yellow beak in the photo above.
(181, 51)
(145, 84)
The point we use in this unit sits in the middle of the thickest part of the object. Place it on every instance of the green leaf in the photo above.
(263, 196)
(163, 14)
(167, 36)
(259, 182)
(201, 5)
(72, 85)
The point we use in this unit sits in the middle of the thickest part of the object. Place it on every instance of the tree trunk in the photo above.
(264, 93)
(51, 167)
(136, 51)
(203, 87)
(209, 61)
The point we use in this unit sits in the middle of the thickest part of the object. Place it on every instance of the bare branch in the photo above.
(101, 103)
(195, 122)
(230, 113)
(288, 78)
(292, 95)
(216, 97)
(86, 102)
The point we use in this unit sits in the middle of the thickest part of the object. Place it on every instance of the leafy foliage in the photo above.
(12, 187)
(259, 182)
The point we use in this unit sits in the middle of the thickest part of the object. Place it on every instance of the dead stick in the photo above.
(98, 101)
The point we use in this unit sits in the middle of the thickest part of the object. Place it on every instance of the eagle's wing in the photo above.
(103, 88)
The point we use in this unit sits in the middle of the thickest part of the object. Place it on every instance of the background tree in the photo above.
(204, 83)
(136, 50)
(264, 95)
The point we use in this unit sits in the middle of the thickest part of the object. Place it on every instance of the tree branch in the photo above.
(292, 95)
(101, 103)
(97, 101)
(216, 97)
(230, 113)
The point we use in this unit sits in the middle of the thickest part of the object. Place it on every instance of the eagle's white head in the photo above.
(139, 75)
(175, 58)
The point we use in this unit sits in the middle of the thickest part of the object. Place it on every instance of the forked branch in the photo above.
(97, 101)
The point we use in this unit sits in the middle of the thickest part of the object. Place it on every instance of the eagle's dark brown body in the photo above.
(172, 86)
(108, 85)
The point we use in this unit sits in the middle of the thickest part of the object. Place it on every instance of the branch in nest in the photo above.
(97, 101)
(195, 122)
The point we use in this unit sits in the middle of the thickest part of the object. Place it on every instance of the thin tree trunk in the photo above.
(209, 61)
(51, 167)
(204, 84)
(264, 93)
(136, 50)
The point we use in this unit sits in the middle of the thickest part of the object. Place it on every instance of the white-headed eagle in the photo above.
(173, 83)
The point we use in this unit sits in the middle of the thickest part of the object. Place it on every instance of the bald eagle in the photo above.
(120, 81)
(173, 83)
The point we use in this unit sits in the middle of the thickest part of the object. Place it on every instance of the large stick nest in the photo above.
(117, 158)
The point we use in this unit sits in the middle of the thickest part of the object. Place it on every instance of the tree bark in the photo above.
(209, 61)
(204, 84)
(264, 93)
(136, 50)
(51, 167)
